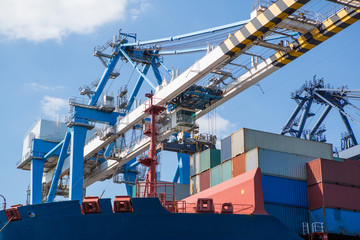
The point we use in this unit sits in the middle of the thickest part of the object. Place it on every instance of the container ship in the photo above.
(254, 185)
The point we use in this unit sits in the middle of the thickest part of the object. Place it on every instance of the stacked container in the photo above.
(245, 140)
(282, 161)
(334, 195)
(200, 165)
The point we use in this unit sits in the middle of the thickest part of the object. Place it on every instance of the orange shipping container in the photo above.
(238, 165)
(334, 196)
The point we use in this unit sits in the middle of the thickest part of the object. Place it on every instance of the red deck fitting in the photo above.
(91, 205)
(205, 205)
(123, 204)
(13, 214)
(227, 208)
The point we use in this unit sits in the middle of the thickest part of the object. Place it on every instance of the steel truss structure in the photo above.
(237, 56)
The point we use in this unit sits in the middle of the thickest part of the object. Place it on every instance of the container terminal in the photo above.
(249, 185)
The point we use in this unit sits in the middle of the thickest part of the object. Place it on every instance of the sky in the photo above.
(46, 55)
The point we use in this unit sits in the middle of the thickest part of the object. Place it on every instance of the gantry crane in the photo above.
(233, 62)
(316, 92)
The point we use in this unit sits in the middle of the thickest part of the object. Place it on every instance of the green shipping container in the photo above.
(226, 170)
(134, 190)
(215, 176)
(209, 158)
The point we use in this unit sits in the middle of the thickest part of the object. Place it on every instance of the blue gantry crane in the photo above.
(236, 56)
(316, 92)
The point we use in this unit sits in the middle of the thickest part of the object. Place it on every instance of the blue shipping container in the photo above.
(284, 191)
(226, 149)
(293, 217)
(338, 221)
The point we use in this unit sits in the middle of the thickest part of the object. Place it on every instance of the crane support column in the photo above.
(78, 135)
(55, 180)
(129, 176)
(105, 77)
(184, 167)
(348, 128)
(176, 175)
(37, 169)
(303, 118)
(156, 71)
(321, 119)
(293, 116)
(137, 87)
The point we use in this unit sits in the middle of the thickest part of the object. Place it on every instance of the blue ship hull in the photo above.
(149, 220)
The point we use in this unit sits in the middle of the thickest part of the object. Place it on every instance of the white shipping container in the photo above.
(194, 185)
(245, 140)
(277, 163)
(194, 164)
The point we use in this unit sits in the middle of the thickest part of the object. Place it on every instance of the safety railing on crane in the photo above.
(263, 4)
(331, 11)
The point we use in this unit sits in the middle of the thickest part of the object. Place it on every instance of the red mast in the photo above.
(150, 131)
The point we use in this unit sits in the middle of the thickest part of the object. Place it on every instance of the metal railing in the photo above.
(80, 121)
(4, 203)
(317, 227)
(330, 12)
(262, 4)
(165, 191)
(79, 101)
(305, 228)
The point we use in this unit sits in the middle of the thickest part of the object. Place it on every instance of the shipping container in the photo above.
(345, 172)
(194, 164)
(293, 217)
(337, 221)
(277, 163)
(194, 185)
(226, 149)
(284, 191)
(204, 180)
(238, 165)
(181, 191)
(134, 190)
(209, 159)
(334, 196)
(226, 170)
(245, 140)
(215, 176)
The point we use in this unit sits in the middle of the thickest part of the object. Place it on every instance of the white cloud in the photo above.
(39, 20)
(141, 7)
(213, 123)
(39, 87)
(53, 107)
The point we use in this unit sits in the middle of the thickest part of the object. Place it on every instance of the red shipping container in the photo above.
(244, 192)
(334, 196)
(330, 171)
(238, 163)
(204, 180)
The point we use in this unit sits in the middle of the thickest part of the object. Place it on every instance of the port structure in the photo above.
(316, 92)
(150, 130)
(234, 60)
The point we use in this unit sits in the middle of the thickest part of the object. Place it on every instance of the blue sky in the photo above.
(46, 55)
